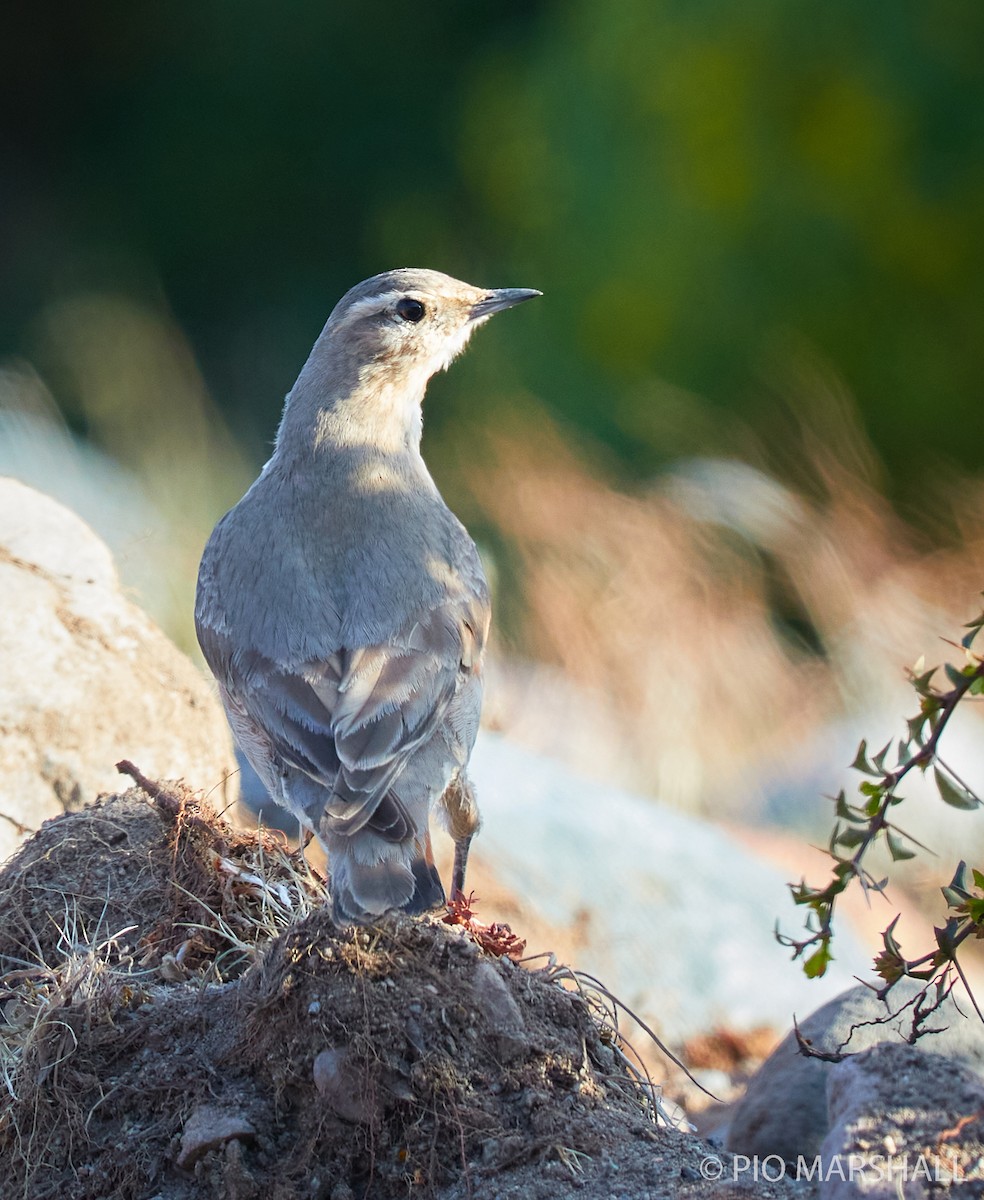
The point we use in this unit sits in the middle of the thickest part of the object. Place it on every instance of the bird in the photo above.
(343, 608)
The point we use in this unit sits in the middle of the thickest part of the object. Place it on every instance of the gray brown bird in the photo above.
(343, 608)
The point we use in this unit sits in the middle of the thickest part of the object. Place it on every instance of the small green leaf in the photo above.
(845, 811)
(803, 893)
(874, 885)
(878, 760)
(897, 848)
(850, 838)
(978, 878)
(973, 627)
(946, 937)
(888, 938)
(816, 965)
(922, 682)
(951, 793)
(861, 763)
(977, 687)
(958, 884)
(915, 726)
(957, 678)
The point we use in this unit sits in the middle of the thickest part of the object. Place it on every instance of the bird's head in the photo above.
(414, 321)
(364, 380)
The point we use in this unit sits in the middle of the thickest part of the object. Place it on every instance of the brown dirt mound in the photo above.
(179, 1018)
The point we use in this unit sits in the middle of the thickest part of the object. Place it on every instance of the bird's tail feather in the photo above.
(429, 891)
(361, 891)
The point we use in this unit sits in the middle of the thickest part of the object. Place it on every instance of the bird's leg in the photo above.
(304, 836)
(461, 848)
(461, 814)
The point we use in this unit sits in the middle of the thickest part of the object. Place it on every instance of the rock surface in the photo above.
(86, 679)
(903, 1122)
(785, 1108)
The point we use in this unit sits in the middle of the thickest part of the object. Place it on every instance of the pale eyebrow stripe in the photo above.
(372, 304)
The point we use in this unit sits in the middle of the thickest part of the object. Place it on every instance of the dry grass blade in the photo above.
(605, 1007)
(45, 1009)
(261, 895)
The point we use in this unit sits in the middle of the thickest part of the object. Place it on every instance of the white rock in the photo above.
(674, 916)
(86, 678)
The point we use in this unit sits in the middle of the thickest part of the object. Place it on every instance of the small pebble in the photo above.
(415, 1036)
(344, 1086)
(208, 1128)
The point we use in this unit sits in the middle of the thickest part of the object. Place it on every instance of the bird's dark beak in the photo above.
(495, 301)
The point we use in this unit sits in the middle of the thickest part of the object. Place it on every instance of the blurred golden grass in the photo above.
(656, 614)
(668, 606)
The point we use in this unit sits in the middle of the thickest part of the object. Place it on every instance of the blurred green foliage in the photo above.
(701, 189)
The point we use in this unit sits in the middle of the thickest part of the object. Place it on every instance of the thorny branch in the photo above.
(861, 824)
(922, 1005)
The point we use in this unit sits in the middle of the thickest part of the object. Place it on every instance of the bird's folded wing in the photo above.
(353, 720)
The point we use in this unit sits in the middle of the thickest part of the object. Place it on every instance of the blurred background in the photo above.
(727, 476)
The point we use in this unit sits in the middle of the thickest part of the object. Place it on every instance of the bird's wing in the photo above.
(353, 720)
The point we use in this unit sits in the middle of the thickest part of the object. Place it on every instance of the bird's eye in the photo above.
(409, 309)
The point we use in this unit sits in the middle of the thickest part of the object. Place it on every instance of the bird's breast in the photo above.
(316, 569)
